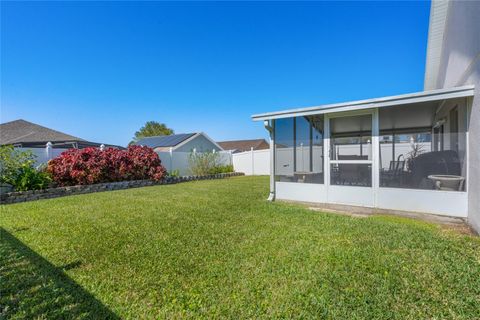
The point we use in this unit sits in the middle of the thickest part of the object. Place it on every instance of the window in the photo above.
(351, 174)
(284, 147)
(454, 129)
(351, 140)
(299, 149)
(423, 147)
(397, 147)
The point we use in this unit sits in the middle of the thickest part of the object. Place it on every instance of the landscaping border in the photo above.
(23, 196)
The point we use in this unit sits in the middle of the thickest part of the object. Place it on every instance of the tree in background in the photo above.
(152, 129)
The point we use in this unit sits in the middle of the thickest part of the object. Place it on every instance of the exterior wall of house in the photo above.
(460, 65)
(200, 143)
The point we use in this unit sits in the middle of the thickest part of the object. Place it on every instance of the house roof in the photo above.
(436, 31)
(31, 135)
(424, 96)
(164, 141)
(21, 131)
(244, 145)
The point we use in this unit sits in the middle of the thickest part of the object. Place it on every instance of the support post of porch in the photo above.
(270, 126)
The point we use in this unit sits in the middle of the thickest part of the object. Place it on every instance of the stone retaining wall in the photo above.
(22, 196)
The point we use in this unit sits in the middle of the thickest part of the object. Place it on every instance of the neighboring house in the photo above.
(183, 142)
(415, 152)
(175, 150)
(43, 142)
(244, 145)
(24, 134)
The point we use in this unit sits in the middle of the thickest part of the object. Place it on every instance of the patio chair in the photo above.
(433, 163)
(394, 175)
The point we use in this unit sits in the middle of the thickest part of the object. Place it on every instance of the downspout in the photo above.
(270, 126)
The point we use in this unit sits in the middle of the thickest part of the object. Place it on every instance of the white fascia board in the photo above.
(193, 137)
(424, 96)
(185, 141)
(212, 141)
(436, 33)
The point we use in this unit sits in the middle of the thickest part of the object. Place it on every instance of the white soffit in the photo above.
(424, 96)
(436, 32)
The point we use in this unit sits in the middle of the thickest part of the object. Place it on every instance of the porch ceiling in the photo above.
(412, 98)
(418, 115)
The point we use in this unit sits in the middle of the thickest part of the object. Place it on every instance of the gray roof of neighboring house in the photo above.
(31, 135)
(164, 141)
(244, 145)
(20, 131)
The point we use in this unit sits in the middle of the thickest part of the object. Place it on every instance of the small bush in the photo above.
(31, 179)
(174, 173)
(207, 163)
(222, 169)
(202, 163)
(16, 169)
(92, 165)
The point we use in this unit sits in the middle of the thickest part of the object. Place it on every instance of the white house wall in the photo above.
(460, 65)
(200, 143)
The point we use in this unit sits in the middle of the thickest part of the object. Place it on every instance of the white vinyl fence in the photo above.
(43, 154)
(179, 161)
(258, 162)
(254, 162)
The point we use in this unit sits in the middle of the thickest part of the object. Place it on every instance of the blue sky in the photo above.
(101, 70)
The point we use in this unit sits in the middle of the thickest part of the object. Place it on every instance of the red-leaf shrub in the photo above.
(92, 165)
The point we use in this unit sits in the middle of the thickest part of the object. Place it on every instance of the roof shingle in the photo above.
(21, 131)
(164, 141)
(244, 145)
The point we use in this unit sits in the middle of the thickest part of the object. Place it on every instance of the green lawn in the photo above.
(218, 249)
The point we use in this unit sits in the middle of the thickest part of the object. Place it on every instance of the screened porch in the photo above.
(401, 153)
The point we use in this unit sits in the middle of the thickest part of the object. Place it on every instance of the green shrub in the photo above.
(206, 163)
(31, 179)
(16, 169)
(221, 169)
(174, 173)
(202, 163)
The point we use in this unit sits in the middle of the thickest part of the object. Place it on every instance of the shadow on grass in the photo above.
(31, 287)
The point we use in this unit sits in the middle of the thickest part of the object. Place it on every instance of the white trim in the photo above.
(424, 96)
(272, 195)
(197, 135)
(349, 194)
(326, 154)
(375, 155)
(435, 42)
(186, 141)
(352, 161)
(469, 102)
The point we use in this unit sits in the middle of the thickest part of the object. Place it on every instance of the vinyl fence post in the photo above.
(253, 161)
(48, 150)
(171, 159)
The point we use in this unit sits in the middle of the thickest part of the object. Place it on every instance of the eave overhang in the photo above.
(424, 96)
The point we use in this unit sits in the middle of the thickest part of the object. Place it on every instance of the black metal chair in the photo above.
(433, 163)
